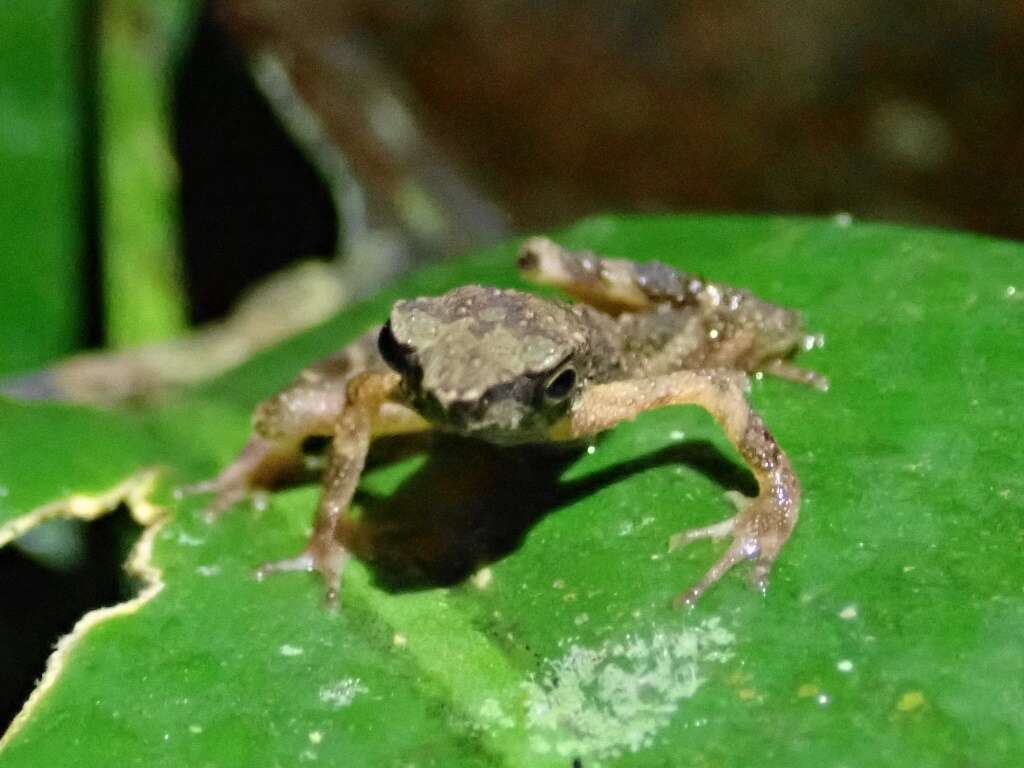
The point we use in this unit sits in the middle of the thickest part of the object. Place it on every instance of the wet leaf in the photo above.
(891, 632)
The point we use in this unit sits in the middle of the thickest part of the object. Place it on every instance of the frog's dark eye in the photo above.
(560, 385)
(395, 355)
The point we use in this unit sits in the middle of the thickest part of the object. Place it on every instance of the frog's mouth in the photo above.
(507, 414)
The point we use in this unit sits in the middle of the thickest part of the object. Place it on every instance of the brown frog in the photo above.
(512, 368)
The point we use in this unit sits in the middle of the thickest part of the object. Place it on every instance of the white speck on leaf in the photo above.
(342, 693)
(844, 665)
(208, 570)
(849, 612)
(290, 650)
(482, 578)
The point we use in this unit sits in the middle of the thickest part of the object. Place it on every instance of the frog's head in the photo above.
(498, 364)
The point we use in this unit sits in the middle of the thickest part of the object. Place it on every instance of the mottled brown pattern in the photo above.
(510, 367)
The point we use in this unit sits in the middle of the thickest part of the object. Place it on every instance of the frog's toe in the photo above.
(327, 558)
(227, 495)
(237, 482)
(734, 554)
(785, 369)
(714, 531)
(759, 530)
(739, 501)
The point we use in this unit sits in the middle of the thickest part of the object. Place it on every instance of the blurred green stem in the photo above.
(139, 47)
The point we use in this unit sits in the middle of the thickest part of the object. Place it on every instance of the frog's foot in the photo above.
(321, 554)
(236, 482)
(759, 529)
(227, 495)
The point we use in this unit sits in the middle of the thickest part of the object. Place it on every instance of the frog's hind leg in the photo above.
(287, 424)
(611, 285)
(739, 330)
(762, 524)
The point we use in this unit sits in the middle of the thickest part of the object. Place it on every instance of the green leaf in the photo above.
(40, 183)
(890, 634)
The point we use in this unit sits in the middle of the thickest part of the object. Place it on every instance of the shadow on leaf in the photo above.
(473, 503)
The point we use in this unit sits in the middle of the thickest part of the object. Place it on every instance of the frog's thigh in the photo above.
(308, 407)
(311, 404)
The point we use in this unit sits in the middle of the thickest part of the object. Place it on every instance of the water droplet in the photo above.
(483, 578)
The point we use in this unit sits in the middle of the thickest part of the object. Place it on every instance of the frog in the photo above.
(514, 367)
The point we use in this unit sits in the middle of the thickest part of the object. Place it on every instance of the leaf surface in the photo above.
(890, 634)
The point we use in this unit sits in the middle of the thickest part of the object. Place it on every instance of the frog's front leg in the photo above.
(761, 525)
(371, 411)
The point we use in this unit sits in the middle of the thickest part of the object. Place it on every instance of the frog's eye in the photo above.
(561, 384)
(396, 355)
